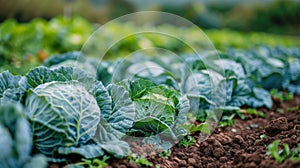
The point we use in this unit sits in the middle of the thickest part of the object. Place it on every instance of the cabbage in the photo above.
(71, 112)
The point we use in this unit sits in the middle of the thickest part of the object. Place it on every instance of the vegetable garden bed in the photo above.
(242, 145)
(151, 108)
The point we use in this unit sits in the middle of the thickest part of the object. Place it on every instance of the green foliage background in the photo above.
(25, 45)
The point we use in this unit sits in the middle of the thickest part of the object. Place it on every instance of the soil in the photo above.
(241, 145)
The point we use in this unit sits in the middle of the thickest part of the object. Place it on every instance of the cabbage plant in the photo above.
(16, 141)
(160, 111)
(10, 91)
(71, 112)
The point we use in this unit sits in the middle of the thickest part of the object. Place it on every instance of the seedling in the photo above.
(94, 163)
(262, 136)
(139, 160)
(203, 127)
(254, 112)
(281, 95)
(227, 121)
(283, 154)
(289, 109)
(187, 141)
(166, 154)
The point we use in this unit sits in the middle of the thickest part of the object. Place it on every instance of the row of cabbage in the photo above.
(85, 106)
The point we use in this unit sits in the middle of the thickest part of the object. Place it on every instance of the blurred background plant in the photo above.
(273, 16)
(32, 30)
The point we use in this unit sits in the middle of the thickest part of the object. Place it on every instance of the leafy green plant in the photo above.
(61, 34)
(262, 136)
(92, 163)
(283, 154)
(187, 141)
(291, 81)
(16, 139)
(39, 39)
(242, 79)
(254, 112)
(63, 106)
(203, 127)
(279, 110)
(159, 109)
(280, 69)
(166, 154)
(282, 96)
(225, 123)
(70, 111)
(9, 88)
(228, 117)
(139, 160)
(228, 122)
(289, 109)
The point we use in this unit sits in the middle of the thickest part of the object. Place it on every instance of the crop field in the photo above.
(139, 105)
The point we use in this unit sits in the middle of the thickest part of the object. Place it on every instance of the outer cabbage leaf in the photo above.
(292, 77)
(184, 108)
(88, 151)
(273, 81)
(103, 99)
(38, 161)
(260, 97)
(9, 88)
(105, 71)
(151, 71)
(41, 75)
(16, 139)
(7, 140)
(230, 65)
(237, 92)
(60, 58)
(118, 117)
(198, 84)
(193, 62)
(86, 66)
(38, 76)
(72, 59)
(198, 87)
(110, 142)
(138, 66)
(122, 113)
(8, 81)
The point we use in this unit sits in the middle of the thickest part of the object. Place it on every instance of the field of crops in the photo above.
(140, 107)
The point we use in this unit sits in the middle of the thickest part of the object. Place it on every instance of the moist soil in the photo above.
(241, 145)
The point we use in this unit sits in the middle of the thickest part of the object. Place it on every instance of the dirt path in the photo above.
(243, 145)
